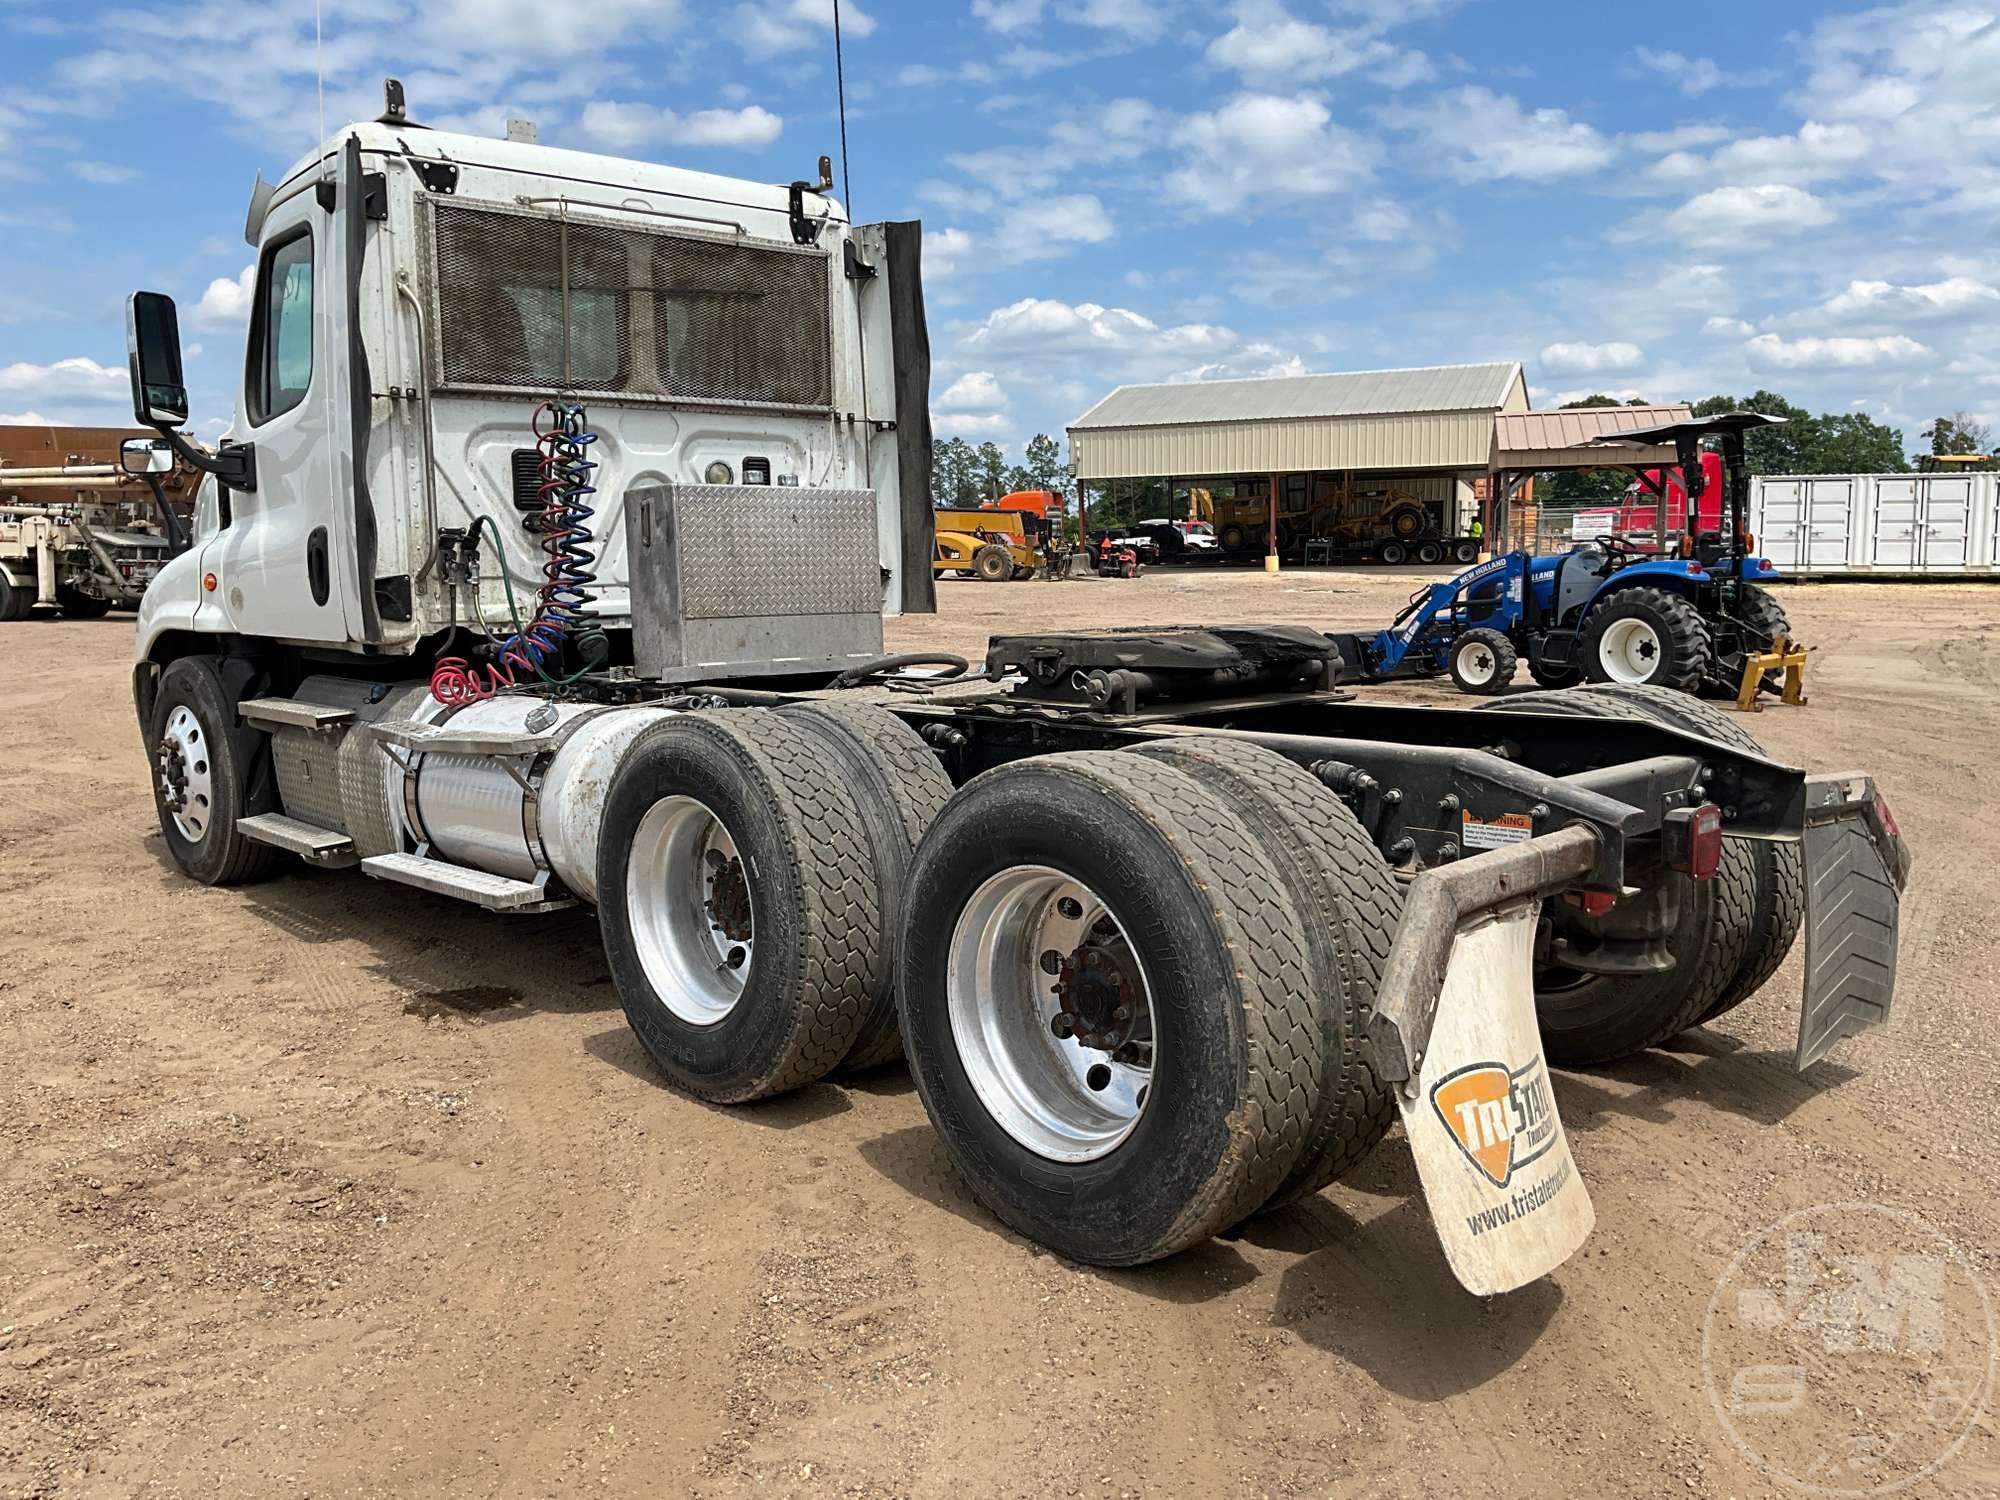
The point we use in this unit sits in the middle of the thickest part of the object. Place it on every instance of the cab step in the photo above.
(494, 892)
(289, 713)
(326, 847)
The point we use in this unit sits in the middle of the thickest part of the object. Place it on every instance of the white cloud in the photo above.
(1259, 145)
(1952, 296)
(225, 302)
(1269, 41)
(1587, 359)
(949, 424)
(1142, 20)
(1005, 16)
(1733, 327)
(24, 419)
(946, 251)
(793, 25)
(1053, 330)
(1815, 150)
(1691, 75)
(1809, 353)
(976, 390)
(1740, 212)
(104, 173)
(1475, 134)
(631, 127)
(75, 376)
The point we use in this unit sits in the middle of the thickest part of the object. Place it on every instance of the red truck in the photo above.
(1638, 515)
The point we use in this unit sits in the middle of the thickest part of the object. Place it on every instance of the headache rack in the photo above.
(532, 299)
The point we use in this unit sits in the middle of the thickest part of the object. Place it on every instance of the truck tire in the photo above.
(1339, 882)
(201, 775)
(738, 894)
(1647, 637)
(1590, 1019)
(992, 564)
(1233, 537)
(1032, 878)
(1430, 552)
(1466, 552)
(1779, 900)
(900, 788)
(77, 605)
(1395, 554)
(1483, 662)
(16, 600)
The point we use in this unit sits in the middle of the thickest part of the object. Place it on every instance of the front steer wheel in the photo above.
(201, 776)
(1107, 1006)
(740, 901)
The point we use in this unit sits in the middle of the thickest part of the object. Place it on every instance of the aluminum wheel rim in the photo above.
(186, 782)
(1630, 650)
(1476, 664)
(1058, 1097)
(691, 910)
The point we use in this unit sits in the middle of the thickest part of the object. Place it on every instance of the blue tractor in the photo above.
(1607, 610)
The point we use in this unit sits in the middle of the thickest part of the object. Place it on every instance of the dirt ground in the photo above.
(324, 1187)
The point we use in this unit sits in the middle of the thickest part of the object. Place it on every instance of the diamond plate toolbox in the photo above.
(752, 580)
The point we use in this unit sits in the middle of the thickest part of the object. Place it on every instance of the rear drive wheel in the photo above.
(16, 599)
(992, 564)
(1466, 552)
(899, 787)
(1339, 882)
(1106, 1005)
(738, 893)
(1647, 637)
(1482, 662)
(1779, 898)
(77, 605)
(1765, 617)
(1395, 554)
(201, 775)
(1430, 552)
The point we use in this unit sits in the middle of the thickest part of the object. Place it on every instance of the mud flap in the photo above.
(1856, 867)
(1503, 1189)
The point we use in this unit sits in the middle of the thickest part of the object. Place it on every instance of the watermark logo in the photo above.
(1850, 1350)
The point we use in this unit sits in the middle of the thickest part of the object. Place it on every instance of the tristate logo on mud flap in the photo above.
(1500, 1116)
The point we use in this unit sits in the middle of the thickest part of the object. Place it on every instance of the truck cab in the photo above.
(418, 295)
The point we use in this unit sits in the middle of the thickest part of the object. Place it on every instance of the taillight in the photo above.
(1694, 568)
(1693, 838)
(1886, 818)
(1764, 565)
(1592, 903)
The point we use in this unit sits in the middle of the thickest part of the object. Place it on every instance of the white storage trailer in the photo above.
(1879, 525)
(1169, 927)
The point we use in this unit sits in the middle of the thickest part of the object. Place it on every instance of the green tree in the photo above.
(1961, 432)
(1834, 443)
(1045, 466)
(989, 472)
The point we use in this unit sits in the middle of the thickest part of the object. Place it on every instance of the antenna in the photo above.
(319, 73)
(840, 86)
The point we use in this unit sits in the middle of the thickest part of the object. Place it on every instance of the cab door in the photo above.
(277, 561)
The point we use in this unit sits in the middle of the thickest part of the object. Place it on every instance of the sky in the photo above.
(1650, 202)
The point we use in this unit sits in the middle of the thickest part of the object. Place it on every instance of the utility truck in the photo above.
(75, 535)
(495, 595)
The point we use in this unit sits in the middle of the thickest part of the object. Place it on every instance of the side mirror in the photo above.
(153, 347)
(145, 456)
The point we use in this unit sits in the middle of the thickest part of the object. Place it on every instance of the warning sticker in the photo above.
(1508, 828)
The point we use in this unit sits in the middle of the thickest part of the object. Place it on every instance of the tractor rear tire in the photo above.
(755, 790)
(1483, 662)
(1406, 524)
(1647, 637)
(900, 788)
(1765, 615)
(1337, 879)
(1780, 896)
(1139, 1161)
(992, 564)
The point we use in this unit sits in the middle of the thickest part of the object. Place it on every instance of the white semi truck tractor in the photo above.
(563, 503)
